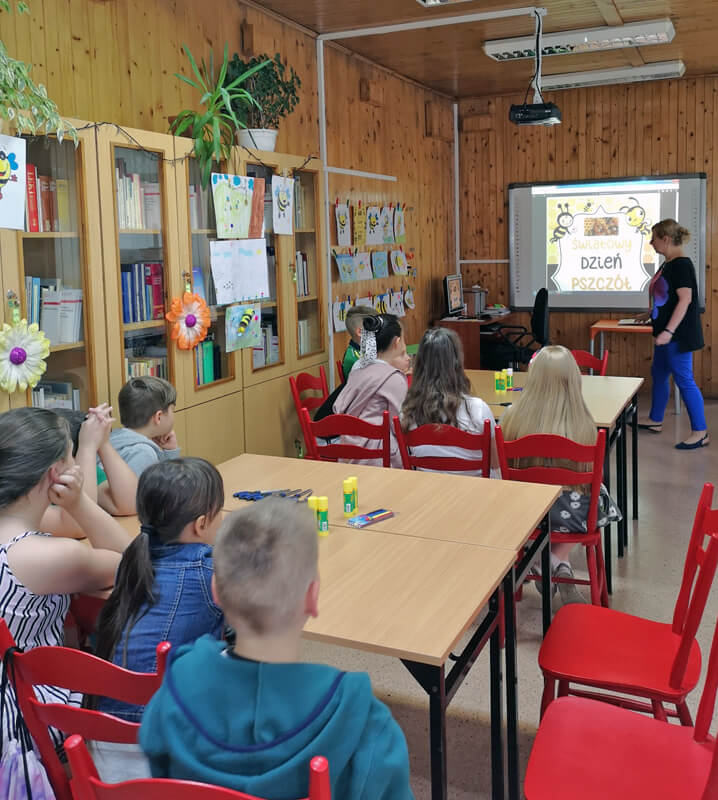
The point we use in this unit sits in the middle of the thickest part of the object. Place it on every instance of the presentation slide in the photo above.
(589, 244)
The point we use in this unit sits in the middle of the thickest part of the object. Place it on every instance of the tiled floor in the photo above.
(645, 583)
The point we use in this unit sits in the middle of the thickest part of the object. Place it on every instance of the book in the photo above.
(63, 204)
(53, 206)
(32, 223)
(70, 315)
(152, 212)
(198, 282)
(156, 284)
(50, 314)
(45, 204)
(126, 282)
(207, 361)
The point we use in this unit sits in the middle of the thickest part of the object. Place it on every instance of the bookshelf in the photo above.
(47, 266)
(310, 331)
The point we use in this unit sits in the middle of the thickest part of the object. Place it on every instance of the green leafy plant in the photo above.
(213, 127)
(22, 102)
(274, 90)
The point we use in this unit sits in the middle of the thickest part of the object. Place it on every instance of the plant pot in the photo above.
(259, 138)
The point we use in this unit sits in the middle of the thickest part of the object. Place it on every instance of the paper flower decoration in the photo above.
(23, 350)
(190, 315)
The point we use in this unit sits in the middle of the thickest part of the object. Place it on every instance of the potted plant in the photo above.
(275, 91)
(213, 127)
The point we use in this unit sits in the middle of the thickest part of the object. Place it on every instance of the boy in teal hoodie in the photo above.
(251, 717)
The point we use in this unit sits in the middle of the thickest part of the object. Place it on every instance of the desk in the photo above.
(468, 329)
(466, 515)
(610, 399)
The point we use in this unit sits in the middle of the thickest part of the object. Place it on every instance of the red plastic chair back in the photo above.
(445, 436)
(554, 447)
(306, 382)
(82, 672)
(342, 425)
(86, 784)
(586, 361)
(340, 372)
(82, 616)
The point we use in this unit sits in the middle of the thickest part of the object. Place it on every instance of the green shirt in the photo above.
(351, 356)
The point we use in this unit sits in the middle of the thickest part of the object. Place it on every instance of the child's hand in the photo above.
(95, 430)
(103, 412)
(167, 441)
(66, 491)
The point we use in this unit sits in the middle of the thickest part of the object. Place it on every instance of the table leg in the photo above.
(546, 575)
(607, 528)
(602, 347)
(512, 719)
(634, 465)
(497, 747)
(591, 343)
(622, 478)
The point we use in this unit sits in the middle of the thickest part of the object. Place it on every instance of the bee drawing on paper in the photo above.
(8, 165)
(342, 221)
(245, 321)
(284, 200)
(564, 220)
(636, 217)
(372, 221)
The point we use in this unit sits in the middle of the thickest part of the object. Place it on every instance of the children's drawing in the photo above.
(396, 304)
(381, 303)
(386, 220)
(409, 298)
(364, 301)
(362, 267)
(344, 225)
(282, 204)
(238, 206)
(380, 263)
(239, 270)
(399, 225)
(339, 314)
(243, 326)
(345, 265)
(359, 223)
(398, 262)
(373, 226)
(12, 183)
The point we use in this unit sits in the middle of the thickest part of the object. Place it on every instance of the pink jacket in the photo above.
(367, 394)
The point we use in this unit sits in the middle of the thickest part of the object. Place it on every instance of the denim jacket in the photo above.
(184, 611)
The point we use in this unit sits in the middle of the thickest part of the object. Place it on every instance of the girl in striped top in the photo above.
(38, 571)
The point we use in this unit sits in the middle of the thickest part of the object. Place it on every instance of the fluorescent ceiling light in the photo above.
(430, 3)
(588, 40)
(604, 77)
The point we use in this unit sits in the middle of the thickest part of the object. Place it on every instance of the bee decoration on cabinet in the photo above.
(8, 165)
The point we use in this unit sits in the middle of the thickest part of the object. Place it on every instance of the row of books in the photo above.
(303, 213)
(139, 203)
(56, 394)
(143, 366)
(304, 337)
(208, 361)
(302, 274)
(47, 202)
(56, 309)
(268, 351)
(143, 291)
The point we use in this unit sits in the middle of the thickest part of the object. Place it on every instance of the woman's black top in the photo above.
(677, 274)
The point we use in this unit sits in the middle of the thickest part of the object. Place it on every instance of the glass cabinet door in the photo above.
(308, 275)
(46, 266)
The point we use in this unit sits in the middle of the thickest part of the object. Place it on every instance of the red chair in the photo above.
(86, 784)
(445, 436)
(659, 662)
(305, 382)
(586, 361)
(82, 617)
(551, 446)
(340, 371)
(594, 751)
(82, 672)
(340, 425)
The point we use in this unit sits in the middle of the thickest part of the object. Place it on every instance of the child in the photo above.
(147, 407)
(440, 393)
(377, 381)
(552, 402)
(115, 487)
(251, 717)
(38, 572)
(353, 321)
(162, 590)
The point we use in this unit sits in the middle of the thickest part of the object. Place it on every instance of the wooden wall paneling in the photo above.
(215, 430)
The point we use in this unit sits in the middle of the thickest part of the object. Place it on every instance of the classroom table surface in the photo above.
(612, 326)
(606, 396)
(428, 505)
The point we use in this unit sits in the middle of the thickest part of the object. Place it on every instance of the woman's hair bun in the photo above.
(373, 324)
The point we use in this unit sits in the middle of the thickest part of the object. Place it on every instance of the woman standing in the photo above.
(677, 331)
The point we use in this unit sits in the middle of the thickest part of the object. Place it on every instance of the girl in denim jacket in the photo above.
(162, 590)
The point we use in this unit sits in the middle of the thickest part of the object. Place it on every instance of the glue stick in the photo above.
(355, 487)
(312, 502)
(504, 379)
(510, 379)
(348, 501)
(323, 516)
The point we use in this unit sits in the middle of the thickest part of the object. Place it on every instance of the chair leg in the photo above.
(658, 711)
(684, 714)
(602, 575)
(593, 575)
(549, 693)
(563, 689)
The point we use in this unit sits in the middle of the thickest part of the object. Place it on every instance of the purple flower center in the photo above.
(18, 356)
(190, 320)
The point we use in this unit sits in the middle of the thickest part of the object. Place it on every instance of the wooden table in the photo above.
(403, 576)
(603, 326)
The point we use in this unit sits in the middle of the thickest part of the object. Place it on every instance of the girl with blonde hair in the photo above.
(552, 402)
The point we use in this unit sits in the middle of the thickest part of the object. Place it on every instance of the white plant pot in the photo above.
(259, 138)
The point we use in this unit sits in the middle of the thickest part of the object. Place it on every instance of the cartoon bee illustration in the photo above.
(283, 200)
(8, 164)
(564, 220)
(588, 206)
(372, 221)
(245, 321)
(636, 217)
(342, 221)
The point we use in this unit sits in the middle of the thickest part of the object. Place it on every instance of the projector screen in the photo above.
(588, 242)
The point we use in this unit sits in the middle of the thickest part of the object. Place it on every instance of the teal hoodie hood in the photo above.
(254, 727)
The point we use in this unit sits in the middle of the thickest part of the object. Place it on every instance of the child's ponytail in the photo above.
(170, 495)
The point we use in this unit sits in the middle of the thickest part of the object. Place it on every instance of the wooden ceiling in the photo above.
(451, 60)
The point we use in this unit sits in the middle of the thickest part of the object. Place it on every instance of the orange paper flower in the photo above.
(190, 315)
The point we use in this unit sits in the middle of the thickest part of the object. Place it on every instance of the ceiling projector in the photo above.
(535, 114)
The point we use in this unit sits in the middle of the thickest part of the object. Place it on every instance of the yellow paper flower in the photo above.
(190, 315)
(23, 350)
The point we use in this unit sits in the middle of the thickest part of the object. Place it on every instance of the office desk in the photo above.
(468, 329)
(610, 400)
